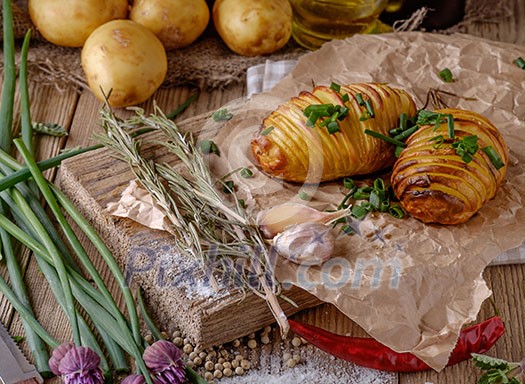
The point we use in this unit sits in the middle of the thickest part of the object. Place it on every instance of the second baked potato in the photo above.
(446, 180)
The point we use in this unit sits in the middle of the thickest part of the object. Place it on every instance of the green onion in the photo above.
(8, 95)
(365, 116)
(385, 138)
(147, 319)
(359, 98)
(398, 151)
(397, 211)
(343, 112)
(246, 173)
(369, 108)
(228, 187)
(520, 62)
(493, 157)
(266, 131)
(345, 97)
(208, 146)
(182, 107)
(332, 127)
(375, 200)
(336, 87)
(303, 195)
(347, 230)
(466, 148)
(349, 183)
(359, 212)
(450, 123)
(446, 75)
(25, 116)
(221, 115)
(438, 141)
(403, 121)
(406, 133)
(312, 119)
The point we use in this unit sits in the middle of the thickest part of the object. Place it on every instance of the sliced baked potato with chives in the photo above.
(319, 135)
(450, 168)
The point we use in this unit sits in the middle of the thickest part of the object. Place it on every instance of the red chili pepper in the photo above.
(370, 353)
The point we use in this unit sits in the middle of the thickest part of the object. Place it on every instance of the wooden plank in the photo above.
(95, 179)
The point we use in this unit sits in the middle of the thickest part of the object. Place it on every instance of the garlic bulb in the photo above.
(306, 244)
(277, 219)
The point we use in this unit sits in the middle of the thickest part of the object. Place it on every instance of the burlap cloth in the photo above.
(206, 63)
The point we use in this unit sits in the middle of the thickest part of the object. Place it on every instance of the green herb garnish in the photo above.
(303, 195)
(450, 125)
(359, 98)
(332, 127)
(208, 146)
(336, 87)
(403, 121)
(397, 211)
(438, 140)
(497, 371)
(246, 173)
(425, 117)
(370, 108)
(493, 157)
(390, 140)
(398, 151)
(466, 148)
(406, 133)
(520, 62)
(221, 115)
(345, 97)
(228, 187)
(266, 131)
(446, 75)
(359, 212)
(349, 183)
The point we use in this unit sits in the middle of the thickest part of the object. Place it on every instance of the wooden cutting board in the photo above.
(176, 289)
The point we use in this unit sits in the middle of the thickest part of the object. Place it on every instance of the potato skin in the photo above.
(296, 152)
(253, 27)
(177, 23)
(70, 22)
(125, 58)
(435, 185)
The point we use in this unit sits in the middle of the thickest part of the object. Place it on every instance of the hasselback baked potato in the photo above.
(319, 135)
(444, 179)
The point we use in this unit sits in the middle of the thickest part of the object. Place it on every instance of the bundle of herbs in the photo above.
(84, 297)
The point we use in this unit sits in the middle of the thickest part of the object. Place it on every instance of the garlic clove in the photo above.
(276, 219)
(306, 244)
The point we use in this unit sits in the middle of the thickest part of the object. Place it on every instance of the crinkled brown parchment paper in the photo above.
(409, 285)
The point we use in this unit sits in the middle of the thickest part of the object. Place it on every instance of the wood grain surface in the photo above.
(78, 112)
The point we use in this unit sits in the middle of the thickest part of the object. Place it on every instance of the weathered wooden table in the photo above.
(78, 111)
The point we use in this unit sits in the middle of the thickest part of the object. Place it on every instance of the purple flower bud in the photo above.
(57, 356)
(81, 366)
(163, 358)
(134, 379)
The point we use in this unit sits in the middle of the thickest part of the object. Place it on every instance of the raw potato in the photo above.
(253, 27)
(432, 181)
(286, 147)
(125, 58)
(70, 22)
(177, 23)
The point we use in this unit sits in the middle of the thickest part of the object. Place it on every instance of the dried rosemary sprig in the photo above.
(210, 226)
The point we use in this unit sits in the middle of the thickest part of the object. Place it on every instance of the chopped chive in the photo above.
(347, 230)
(385, 138)
(359, 212)
(406, 133)
(246, 173)
(332, 127)
(221, 115)
(403, 121)
(208, 146)
(398, 151)
(375, 200)
(336, 87)
(520, 62)
(182, 107)
(345, 97)
(450, 121)
(348, 183)
(303, 195)
(397, 211)
(438, 140)
(365, 116)
(359, 98)
(379, 184)
(395, 131)
(385, 205)
(446, 75)
(493, 157)
(369, 108)
(361, 195)
(228, 187)
(343, 112)
(266, 131)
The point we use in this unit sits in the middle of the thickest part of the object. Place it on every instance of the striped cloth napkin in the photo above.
(262, 78)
